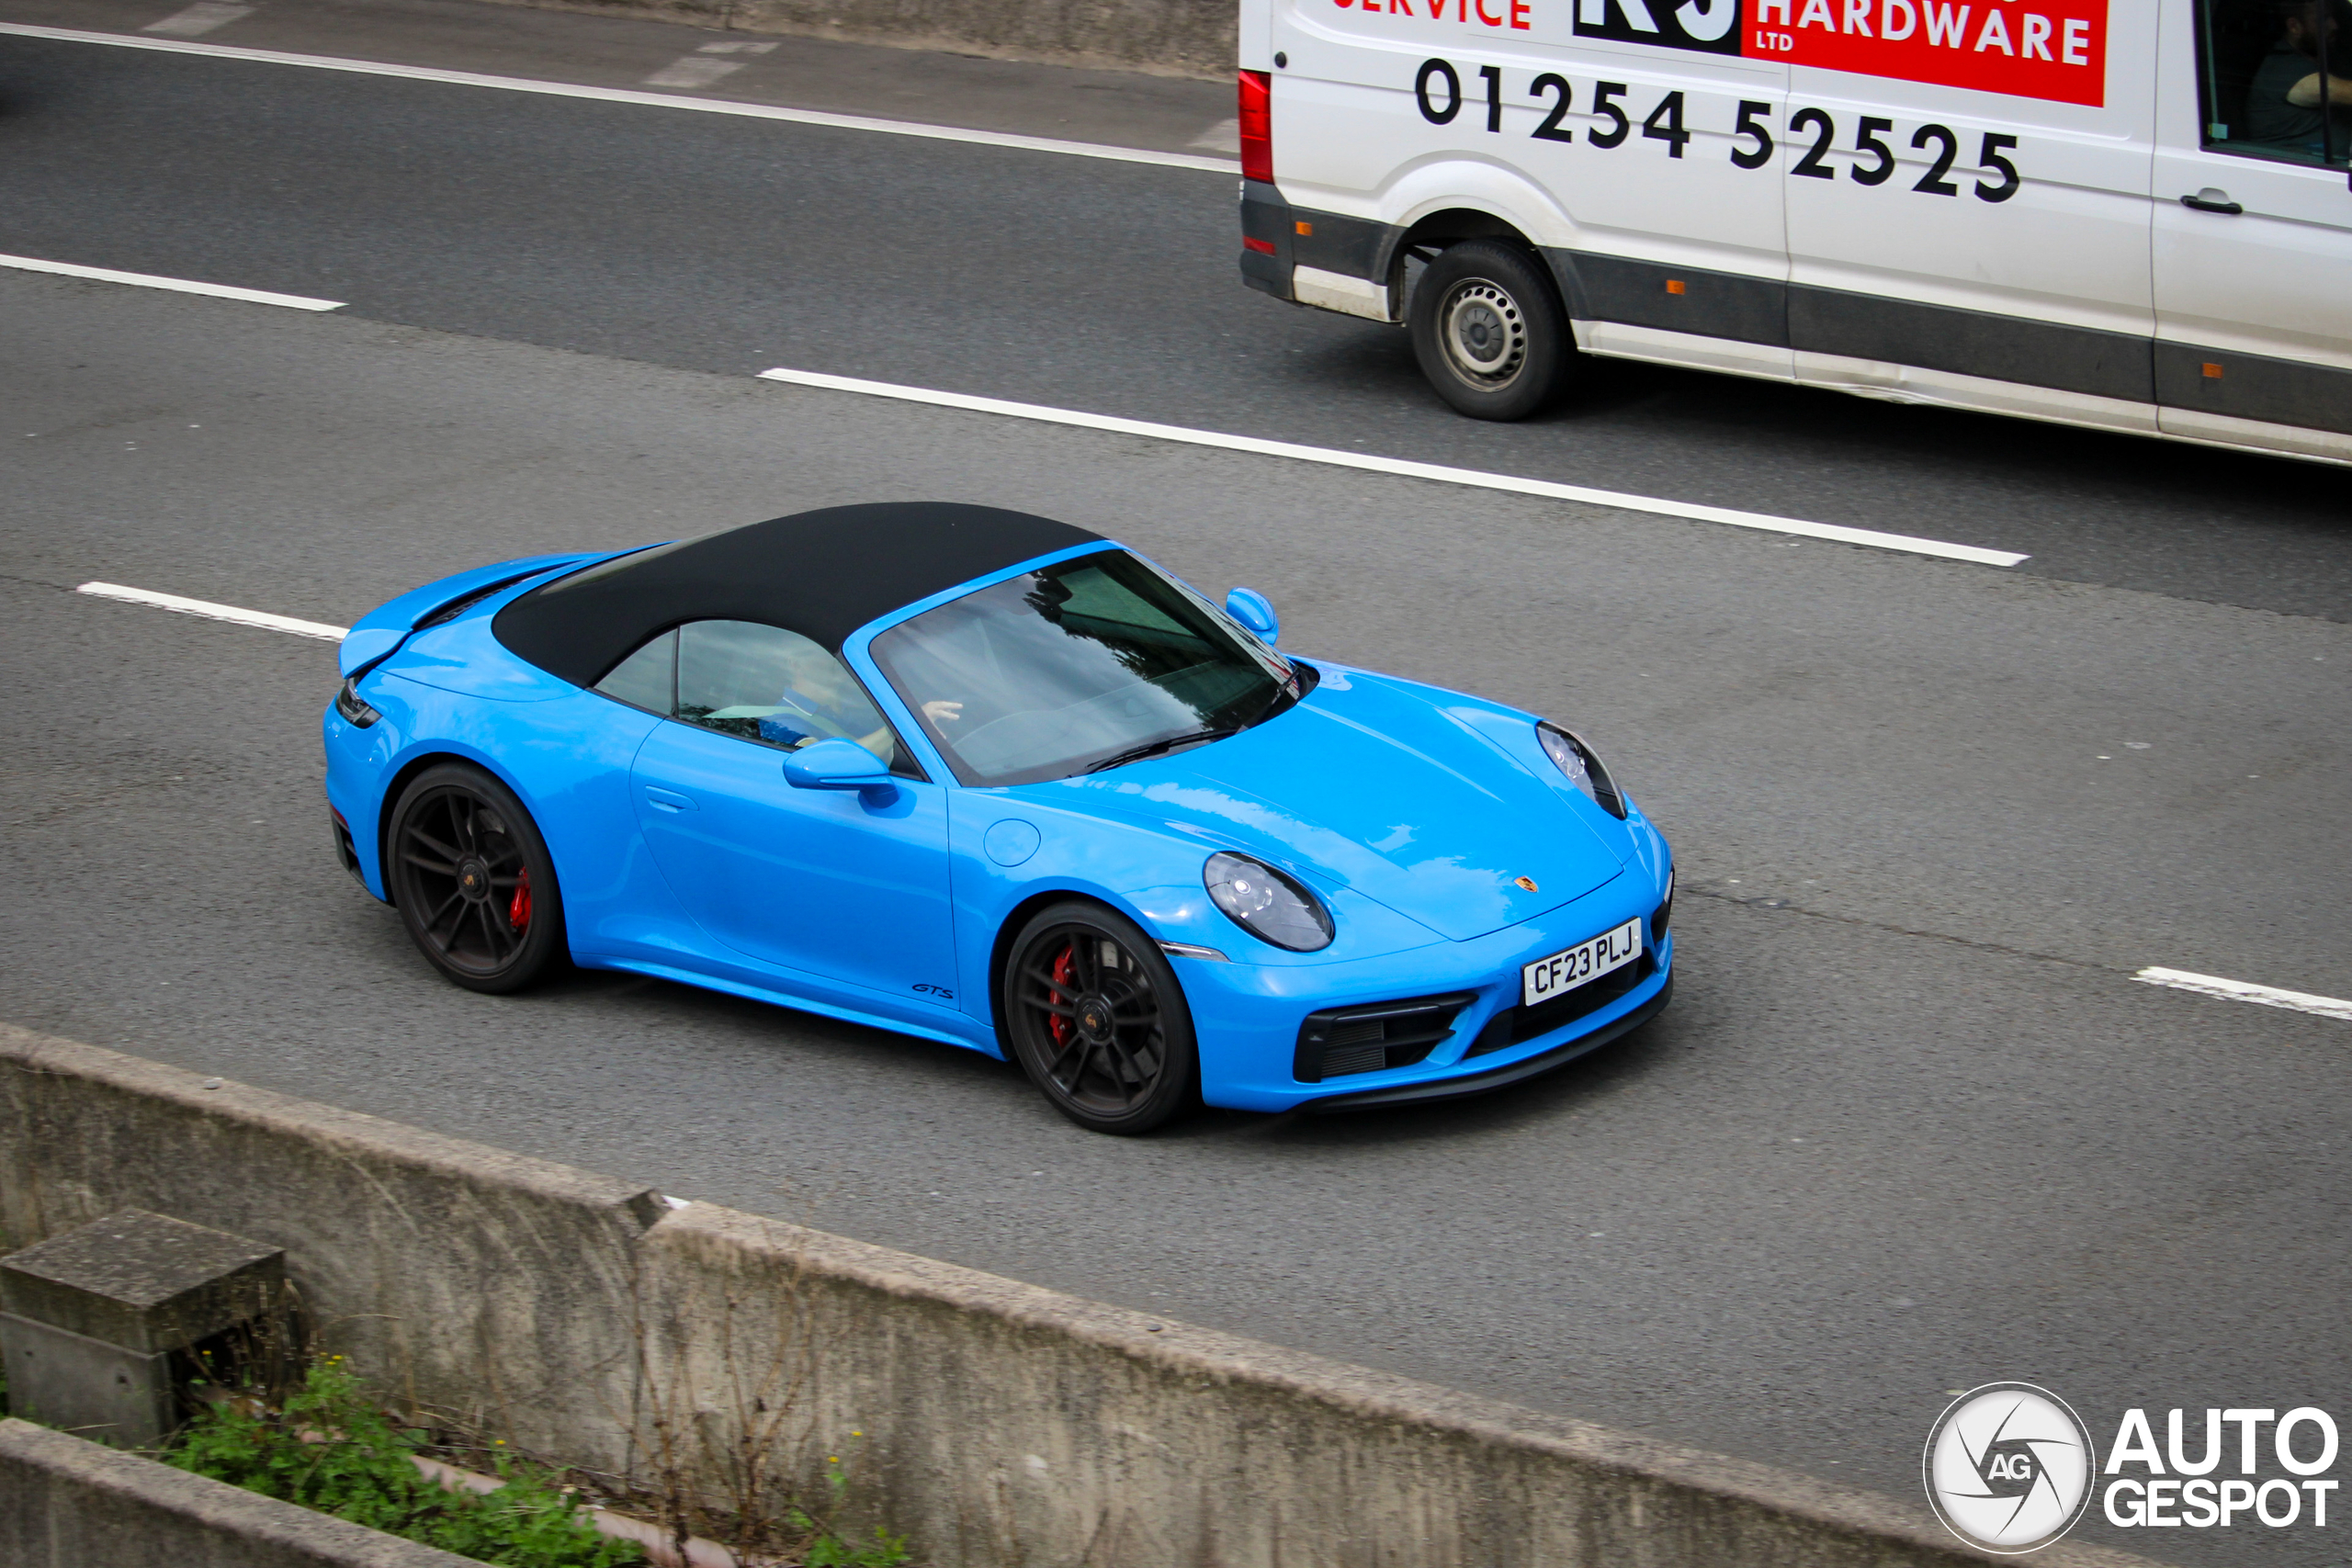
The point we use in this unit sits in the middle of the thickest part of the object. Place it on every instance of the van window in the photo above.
(2262, 87)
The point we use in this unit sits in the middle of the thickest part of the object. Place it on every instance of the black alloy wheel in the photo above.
(473, 881)
(1098, 1020)
(1489, 330)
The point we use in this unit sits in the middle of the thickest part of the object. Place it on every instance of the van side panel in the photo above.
(1729, 305)
(1986, 343)
(1397, 112)
(1257, 53)
(1907, 241)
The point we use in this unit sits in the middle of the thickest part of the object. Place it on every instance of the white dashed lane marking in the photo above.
(1225, 137)
(704, 65)
(200, 18)
(176, 285)
(2245, 991)
(1470, 478)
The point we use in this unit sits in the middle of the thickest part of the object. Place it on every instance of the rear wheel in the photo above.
(1098, 1021)
(1489, 330)
(474, 883)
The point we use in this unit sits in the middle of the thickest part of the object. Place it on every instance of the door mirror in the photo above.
(1254, 610)
(838, 764)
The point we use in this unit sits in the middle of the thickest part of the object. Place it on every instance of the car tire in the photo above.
(473, 881)
(1097, 1019)
(1489, 330)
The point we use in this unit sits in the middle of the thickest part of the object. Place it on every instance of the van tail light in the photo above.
(1257, 126)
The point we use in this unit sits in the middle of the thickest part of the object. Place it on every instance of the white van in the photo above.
(2129, 214)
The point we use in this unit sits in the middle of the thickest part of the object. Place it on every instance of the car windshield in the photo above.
(1076, 667)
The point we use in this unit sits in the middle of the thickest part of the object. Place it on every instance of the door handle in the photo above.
(667, 799)
(2211, 200)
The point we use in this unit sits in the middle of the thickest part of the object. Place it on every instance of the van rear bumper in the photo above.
(1266, 229)
(1324, 259)
(1317, 257)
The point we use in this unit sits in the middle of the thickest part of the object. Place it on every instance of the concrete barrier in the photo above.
(68, 1503)
(1176, 37)
(1001, 1424)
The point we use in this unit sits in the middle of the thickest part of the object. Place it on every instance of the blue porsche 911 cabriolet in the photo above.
(997, 781)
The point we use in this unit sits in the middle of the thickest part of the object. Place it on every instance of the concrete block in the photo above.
(88, 1319)
(87, 1386)
(143, 1282)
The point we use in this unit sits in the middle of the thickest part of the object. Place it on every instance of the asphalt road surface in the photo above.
(717, 244)
(1910, 1125)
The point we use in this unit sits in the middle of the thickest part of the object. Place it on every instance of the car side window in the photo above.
(647, 679)
(777, 688)
(2275, 78)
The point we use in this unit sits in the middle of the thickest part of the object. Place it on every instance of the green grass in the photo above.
(825, 1550)
(330, 1449)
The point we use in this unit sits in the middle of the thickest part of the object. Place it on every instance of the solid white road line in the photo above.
(1439, 472)
(631, 95)
(2241, 991)
(212, 612)
(178, 285)
(200, 18)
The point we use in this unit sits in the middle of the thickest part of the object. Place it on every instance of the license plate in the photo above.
(1564, 972)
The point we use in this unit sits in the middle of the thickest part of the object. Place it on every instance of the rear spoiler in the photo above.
(377, 635)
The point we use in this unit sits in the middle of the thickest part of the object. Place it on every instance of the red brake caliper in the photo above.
(1056, 1024)
(518, 913)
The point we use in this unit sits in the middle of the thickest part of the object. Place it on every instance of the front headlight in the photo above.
(1582, 764)
(1265, 903)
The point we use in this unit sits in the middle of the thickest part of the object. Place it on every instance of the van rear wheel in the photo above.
(1489, 330)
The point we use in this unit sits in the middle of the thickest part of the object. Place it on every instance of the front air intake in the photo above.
(1518, 1025)
(1342, 1042)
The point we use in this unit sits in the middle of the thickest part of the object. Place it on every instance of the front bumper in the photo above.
(1247, 1018)
(1464, 1085)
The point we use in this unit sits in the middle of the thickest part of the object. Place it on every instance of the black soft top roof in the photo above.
(822, 575)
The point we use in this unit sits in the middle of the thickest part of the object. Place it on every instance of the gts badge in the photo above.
(942, 992)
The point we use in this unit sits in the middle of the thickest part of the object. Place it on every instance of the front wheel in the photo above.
(1098, 1021)
(1489, 330)
(473, 880)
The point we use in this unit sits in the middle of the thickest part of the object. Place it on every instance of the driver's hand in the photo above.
(942, 712)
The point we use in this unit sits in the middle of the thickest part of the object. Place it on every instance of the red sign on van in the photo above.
(2031, 49)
